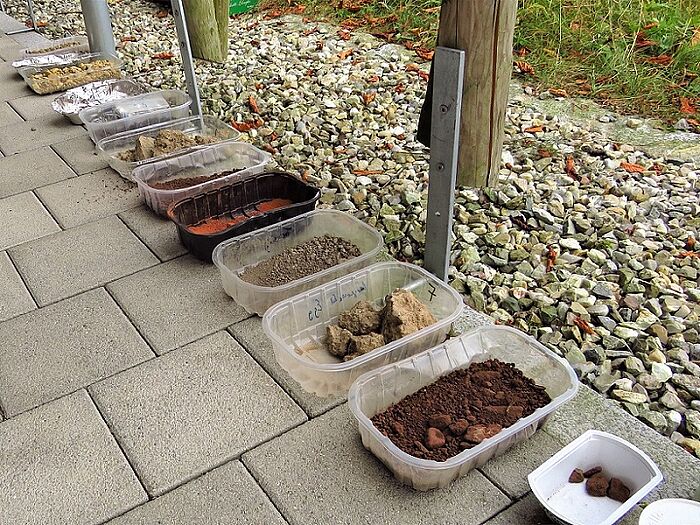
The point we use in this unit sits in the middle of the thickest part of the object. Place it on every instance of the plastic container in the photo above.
(378, 389)
(239, 198)
(110, 148)
(71, 44)
(134, 113)
(68, 80)
(73, 101)
(233, 256)
(219, 158)
(297, 326)
(569, 503)
(672, 510)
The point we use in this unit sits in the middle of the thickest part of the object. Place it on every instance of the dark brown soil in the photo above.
(187, 182)
(470, 405)
(306, 258)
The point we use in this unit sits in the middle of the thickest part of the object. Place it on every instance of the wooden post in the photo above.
(207, 25)
(484, 30)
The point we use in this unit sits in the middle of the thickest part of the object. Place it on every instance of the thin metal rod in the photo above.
(32, 17)
(186, 55)
(98, 25)
(444, 148)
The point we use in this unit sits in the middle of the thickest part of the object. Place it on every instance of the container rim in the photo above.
(80, 40)
(89, 113)
(465, 455)
(348, 365)
(113, 82)
(137, 174)
(217, 255)
(655, 474)
(26, 71)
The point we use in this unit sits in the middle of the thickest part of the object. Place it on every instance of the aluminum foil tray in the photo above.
(73, 101)
(62, 59)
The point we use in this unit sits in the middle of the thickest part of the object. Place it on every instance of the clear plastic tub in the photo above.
(134, 113)
(110, 148)
(569, 503)
(234, 255)
(297, 326)
(227, 156)
(71, 44)
(378, 389)
(64, 78)
(73, 101)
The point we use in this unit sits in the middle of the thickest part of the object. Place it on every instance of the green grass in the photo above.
(586, 47)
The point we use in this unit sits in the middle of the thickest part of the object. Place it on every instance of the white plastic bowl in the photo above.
(297, 326)
(569, 503)
(377, 390)
(675, 511)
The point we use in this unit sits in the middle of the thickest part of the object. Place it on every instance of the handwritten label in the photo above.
(315, 311)
(352, 293)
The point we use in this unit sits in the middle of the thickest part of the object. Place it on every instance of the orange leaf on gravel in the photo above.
(161, 14)
(412, 67)
(687, 106)
(163, 56)
(253, 104)
(373, 79)
(570, 167)
(400, 88)
(558, 92)
(344, 35)
(367, 172)
(630, 167)
(534, 129)
(345, 54)
(525, 68)
(367, 98)
(425, 54)
(247, 125)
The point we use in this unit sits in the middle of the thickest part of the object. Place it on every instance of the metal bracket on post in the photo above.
(444, 146)
(186, 55)
(32, 17)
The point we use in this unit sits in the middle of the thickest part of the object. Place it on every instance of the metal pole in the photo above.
(98, 25)
(32, 17)
(444, 148)
(186, 55)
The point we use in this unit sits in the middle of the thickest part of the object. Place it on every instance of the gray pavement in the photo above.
(133, 390)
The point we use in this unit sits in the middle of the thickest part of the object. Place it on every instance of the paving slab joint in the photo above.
(141, 240)
(131, 322)
(24, 281)
(43, 205)
(279, 511)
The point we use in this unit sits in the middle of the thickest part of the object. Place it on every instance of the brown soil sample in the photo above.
(404, 314)
(166, 141)
(188, 182)
(306, 258)
(478, 396)
(592, 472)
(576, 476)
(337, 340)
(618, 490)
(361, 319)
(597, 485)
(361, 344)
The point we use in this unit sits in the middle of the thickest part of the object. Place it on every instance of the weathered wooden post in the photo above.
(484, 30)
(207, 25)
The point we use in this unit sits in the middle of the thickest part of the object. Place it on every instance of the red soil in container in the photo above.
(272, 204)
(219, 224)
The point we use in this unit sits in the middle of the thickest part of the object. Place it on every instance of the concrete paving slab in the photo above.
(79, 153)
(8, 115)
(193, 409)
(176, 302)
(50, 352)
(89, 197)
(31, 169)
(33, 107)
(320, 473)
(61, 465)
(509, 472)
(11, 84)
(24, 218)
(225, 495)
(9, 48)
(159, 234)
(75, 260)
(34, 134)
(14, 296)
(527, 511)
(250, 334)
(589, 410)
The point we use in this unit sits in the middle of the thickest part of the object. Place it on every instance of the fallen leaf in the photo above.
(373, 79)
(319, 45)
(525, 68)
(687, 106)
(544, 153)
(273, 13)
(632, 168)
(298, 9)
(42, 23)
(311, 31)
(344, 35)
(400, 88)
(551, 258)
(259, 86)
(661, 60)
(162, 13)
(650, 26)
(388, 36)
(658, 168)
(247, 125)
(368, 97)
(345, 54)
(558, 92)
(534, 129)
(422, 74)
(688, 254)
(583, 325)
(350, 23)
(253, 104)
(165, 55)
(574, 25)
(694, 122)
(641, 41)
(523, 52)
(412, 67)
(367, 172)
(570, 167)
(690, 243)
(425, 54)
(352, 5)
(310, 72)
(128, 39)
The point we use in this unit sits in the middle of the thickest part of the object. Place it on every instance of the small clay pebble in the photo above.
(597, 486)
(434, 438)
(477, 433)
(576, 476)
(618, 490)
(441, 421)
(420, 446)
(514, 411)
(398, 428)
(592, 472)
(459, 427)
